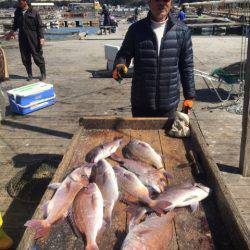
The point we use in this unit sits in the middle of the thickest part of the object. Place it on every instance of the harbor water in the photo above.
(67, 33)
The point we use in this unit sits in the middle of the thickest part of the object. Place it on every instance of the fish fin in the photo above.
(168, 175)
(128, 176)
(160, 206)
(106, 222)
(191, 198)
(55, 185)
(105, 177)
(115, 157)
(68, 186)
(194, 206)
(45, 208)
(92, 246)
(72, 223)
(129, 203)
(42, 227)
(137, 216)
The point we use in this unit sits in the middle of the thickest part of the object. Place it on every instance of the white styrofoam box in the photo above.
(110, 51)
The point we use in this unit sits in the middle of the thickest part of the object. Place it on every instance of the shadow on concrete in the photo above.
(206, 95)
(37, 129)
(27, 188)
(228, 169)
(17, 77)
(100, 73)
(107, 74)
(122, 109)
(24, 160)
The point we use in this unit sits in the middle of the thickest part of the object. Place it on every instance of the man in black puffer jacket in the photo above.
(163, 57)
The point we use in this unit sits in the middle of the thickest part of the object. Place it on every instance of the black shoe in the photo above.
(42, 77)
(30, 78)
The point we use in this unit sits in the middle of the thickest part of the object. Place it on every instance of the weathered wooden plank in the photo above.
(110, 238)
(242, 192)
(245, 137)
(153, 138)
(117, 123)
(173, 151)
(27, 240)
(192, 230)
(236, 179)
(243, 203)
(229, 211)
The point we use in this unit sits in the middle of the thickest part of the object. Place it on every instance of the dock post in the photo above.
(245, 138)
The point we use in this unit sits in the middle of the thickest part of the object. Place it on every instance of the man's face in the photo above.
(160, 8)
(22, 4)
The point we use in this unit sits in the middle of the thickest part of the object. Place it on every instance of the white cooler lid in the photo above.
(31, 89)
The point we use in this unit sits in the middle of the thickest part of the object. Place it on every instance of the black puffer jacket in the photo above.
(155, 85)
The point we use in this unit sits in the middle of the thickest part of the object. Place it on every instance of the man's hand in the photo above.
(42, 41)
(119, 72)
(10, 35)
(187, 106)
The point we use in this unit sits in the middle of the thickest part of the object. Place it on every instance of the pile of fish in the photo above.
(89, 193)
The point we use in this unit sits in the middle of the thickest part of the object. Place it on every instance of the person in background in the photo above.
(5, 241)
(105, 12)
(3, 66)
(30, 36)
(199, 11)
(163, 57)
(136, 14)
(182, 14)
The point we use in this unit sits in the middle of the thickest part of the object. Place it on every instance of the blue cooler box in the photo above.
(31, 97)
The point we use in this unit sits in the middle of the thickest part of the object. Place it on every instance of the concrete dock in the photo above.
(45, 134)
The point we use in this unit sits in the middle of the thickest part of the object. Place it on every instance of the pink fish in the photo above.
(185, 194)
(155, 233)
(103, 151)
(57, 208)
(147, 174)
(87, 213)
(104, 177)
(141, 151)
(129, 182)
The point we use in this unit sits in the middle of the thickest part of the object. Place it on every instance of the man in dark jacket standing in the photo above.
(163, 57)
(31, 38)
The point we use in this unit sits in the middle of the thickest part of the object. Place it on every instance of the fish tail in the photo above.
(107, 222)
(159, 206)
(92, 246)
(42, 227)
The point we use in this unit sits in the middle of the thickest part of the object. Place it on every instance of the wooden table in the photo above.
(203, 229)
